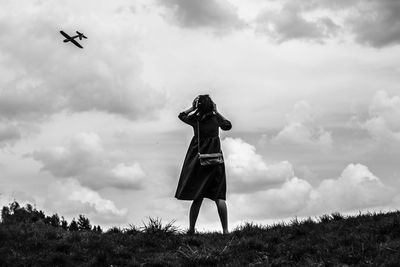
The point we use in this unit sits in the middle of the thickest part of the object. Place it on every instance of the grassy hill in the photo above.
(30, 238)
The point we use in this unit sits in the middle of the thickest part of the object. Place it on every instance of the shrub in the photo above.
(336, 216)
(325, 218)
(154, 226)
(83, 223)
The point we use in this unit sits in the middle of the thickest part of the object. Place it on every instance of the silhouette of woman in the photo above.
(196, 181)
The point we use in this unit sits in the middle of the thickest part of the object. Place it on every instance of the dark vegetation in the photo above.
(30, 238)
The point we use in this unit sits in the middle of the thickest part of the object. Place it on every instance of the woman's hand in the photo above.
(215, 107)
(189, 110)
(195, 102)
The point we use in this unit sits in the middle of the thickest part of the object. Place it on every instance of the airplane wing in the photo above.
(66, 35)
(76, 43)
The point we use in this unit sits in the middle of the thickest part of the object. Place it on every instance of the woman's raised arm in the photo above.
(224, 123)
(184, 116)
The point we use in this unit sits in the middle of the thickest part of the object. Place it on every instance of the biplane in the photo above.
(72, 38)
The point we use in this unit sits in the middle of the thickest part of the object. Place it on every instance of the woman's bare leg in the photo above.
(194, 212)
(223, 214)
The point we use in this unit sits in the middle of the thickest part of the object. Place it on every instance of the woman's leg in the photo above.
(194, 212)
(223, 214)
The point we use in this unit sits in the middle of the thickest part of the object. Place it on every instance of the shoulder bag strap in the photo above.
(198, 137)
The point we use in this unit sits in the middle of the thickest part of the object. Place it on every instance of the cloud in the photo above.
(248, 171)
(85, 150)
(289, 23)
(86, 160)
(356, 188)
(9, 134)
(290, 198)
(377, 23)
(125, 173)
(216, 14)
(70, 197)
(384, 118)
(299, 130)
(46, 76)
(372, 23)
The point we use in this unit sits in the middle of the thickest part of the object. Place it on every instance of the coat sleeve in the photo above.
(185, 118)
(224, 124)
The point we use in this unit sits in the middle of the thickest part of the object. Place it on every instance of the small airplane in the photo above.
(72, 38)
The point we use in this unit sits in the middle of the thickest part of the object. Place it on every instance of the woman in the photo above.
(196, 181)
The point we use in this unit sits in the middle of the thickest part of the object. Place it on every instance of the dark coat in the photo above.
(198, 181)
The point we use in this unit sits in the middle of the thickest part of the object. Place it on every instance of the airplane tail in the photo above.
(81, 35)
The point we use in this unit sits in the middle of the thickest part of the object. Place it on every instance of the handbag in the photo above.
(208, 159)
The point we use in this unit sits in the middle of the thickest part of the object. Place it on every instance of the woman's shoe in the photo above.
(190, 232)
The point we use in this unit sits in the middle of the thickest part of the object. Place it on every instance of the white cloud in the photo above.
(50, 76)
(84, 151)
(70, 197)
(287, 200)
(355, 189)
(86, 160)
(299, 130)
(384, 121)
(248, 171)
(128, 173)
(42, 76)
(273, 190)
(302, 113)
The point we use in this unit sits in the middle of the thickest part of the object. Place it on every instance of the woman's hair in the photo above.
(204, 106)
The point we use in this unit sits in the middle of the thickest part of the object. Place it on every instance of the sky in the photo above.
(311, 87)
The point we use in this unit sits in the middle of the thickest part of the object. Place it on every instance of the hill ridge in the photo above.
(30, 238)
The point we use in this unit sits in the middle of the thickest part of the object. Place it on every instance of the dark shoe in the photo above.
(190, 232)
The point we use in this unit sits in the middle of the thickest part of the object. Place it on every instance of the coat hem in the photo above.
(188, 199)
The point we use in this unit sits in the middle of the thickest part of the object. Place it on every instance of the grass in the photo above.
(371, 239)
